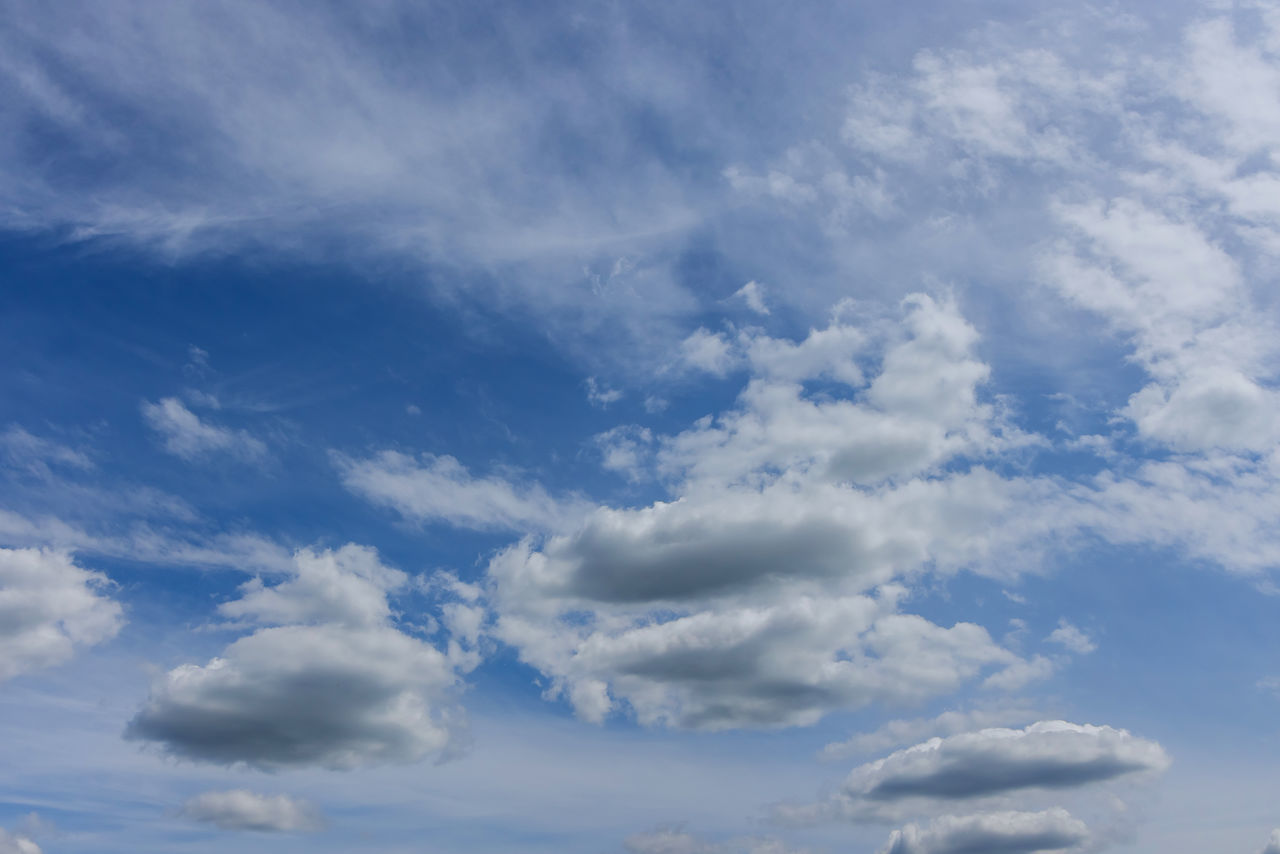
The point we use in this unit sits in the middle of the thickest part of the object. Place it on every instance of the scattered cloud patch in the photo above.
(16, 843)
(197, 364)
(36, 455)
(1072, 638)
(327, 680)
(971, 767)
(187, 435)
(1002, 832)
(707, 351)
(433, 488)
(600, 395)
(1270, 684)
(627, 450)
(897, 732)
(752, 293)
(49, 608)
(240, 809)
(744, 599)
(1020, 673)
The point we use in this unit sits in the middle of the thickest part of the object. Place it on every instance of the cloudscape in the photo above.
(640, 428)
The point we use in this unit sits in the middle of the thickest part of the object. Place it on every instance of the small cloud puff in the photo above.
(239, 809)
(1072, 638)
(752, 294)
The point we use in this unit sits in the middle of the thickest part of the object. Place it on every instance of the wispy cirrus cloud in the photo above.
(433, 488)
(191, 437)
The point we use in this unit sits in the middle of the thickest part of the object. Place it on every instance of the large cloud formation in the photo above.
(763, 593)
(970, 767)
(1166, 236)
(326, 680)
(48, 608)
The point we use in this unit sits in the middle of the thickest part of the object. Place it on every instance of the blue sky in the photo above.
(639, 429)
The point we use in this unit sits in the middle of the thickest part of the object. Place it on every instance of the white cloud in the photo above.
(601, 395)
(49, 607)
(148, 543)
(408, 157)
(896, 732)
(1270, 684)
(1020, 673)
(752, 294)
(743, 600)
(1273, 844)
(347, 587)
(1166, 234)
(707, 351)
(440, 489)
(1072, 638)
(1004, 832)
(188, 436)
(627, 449)
(989, 763)
(35, 454)
(240, 809)
(335, 685)
(14, 843)
(769, 665)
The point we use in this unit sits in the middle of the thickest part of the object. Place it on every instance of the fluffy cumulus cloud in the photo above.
(764, 592)
(240, 809)
(49, 607)
(187, 435)
(993, 833)
(1273, 844)
(326, 679)
(1165, 236)
(971, 767)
